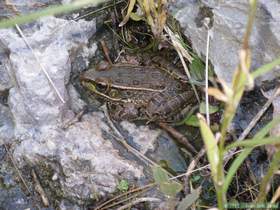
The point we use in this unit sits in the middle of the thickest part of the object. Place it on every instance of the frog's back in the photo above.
(132, 76)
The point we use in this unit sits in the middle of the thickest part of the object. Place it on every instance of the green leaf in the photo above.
(189, 199)
(160, 176)
(196, 178)
(123, 185)
(170, 188)
(212, 109)
(211, 146)
(197, 69)
(191, 121)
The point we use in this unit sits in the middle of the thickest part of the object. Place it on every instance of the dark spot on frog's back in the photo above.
(135, 82)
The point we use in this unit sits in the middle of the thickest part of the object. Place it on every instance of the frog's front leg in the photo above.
(125, 111)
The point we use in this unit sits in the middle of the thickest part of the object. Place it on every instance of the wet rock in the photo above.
(228, 21)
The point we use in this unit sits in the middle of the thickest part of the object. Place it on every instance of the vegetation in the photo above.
(217, 148)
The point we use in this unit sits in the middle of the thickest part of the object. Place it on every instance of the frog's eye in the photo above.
(100, 87)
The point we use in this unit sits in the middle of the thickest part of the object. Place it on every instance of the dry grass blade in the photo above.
(14, 9)
(276, 195)
(40, 65)
(178, 136)
(154, 13)
(113, 201)
(17, 169)
(259, 115)
(206, 76)
(129, 10)
(191, 167)
(183, 53)
(139, 200)
(40, 190)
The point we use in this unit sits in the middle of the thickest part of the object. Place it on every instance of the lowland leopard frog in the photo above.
(138, 92)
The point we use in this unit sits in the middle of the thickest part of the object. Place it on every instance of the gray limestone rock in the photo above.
(80, 159)
(228, 20)
(6, 125)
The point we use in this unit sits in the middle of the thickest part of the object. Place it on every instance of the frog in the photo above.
(135, 92)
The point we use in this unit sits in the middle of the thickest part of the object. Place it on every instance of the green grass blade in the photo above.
(260, 134)
(189, 199)
(51, 10)
(211, 146)
(244, 154)
(264, 131)
(255, 142)
(265, 68)
(273, 167)
(234, 167)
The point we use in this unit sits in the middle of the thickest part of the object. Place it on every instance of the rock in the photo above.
(141, 136)
(90, 164)
(228, 20)
(34, 102)
(6, 125)
(155, 144)
(13, 199)
(79, 162)
(66, 205)
(5, 82)
(76, 103)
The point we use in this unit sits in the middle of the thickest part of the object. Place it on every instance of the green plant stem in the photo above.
(221, 195)
(252, 15)
(51, 10)
(265, 68)
(274, 165)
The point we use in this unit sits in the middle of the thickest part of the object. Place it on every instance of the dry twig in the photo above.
(139, 200)
(178, 136)
(39, 189)
(17, 169)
